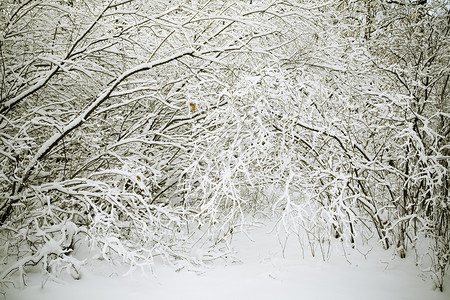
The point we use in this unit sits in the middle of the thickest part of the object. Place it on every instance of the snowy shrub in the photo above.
(109, 118)
(146, 129)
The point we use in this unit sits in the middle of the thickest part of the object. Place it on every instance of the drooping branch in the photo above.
(84, 116)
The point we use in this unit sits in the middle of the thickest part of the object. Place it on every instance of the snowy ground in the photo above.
(263, 273)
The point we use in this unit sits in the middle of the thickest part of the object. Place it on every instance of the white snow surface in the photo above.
(261, 273)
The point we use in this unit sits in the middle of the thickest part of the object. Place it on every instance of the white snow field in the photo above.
(261, 272)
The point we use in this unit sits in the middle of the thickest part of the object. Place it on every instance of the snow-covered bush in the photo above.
(113, 118)
(146, 129)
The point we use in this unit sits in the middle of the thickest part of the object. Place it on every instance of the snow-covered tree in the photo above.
(107, 117)
(157, 128)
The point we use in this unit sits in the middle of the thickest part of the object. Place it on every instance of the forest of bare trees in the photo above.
(148, 129)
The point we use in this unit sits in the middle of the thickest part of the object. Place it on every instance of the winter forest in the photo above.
(155, 130)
